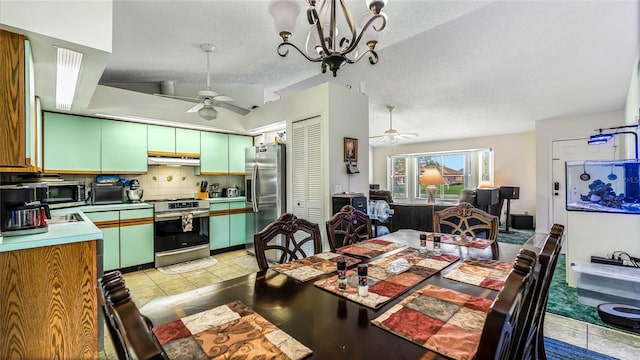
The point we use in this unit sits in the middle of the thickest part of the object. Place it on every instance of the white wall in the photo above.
(566, 128)
(514, 158)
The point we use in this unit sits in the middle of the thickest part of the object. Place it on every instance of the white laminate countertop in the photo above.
(57, 234)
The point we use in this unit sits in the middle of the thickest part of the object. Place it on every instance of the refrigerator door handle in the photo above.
(254, 193)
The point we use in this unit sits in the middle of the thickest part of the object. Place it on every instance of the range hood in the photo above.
(173, 160)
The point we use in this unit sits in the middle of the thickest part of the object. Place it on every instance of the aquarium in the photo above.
(603, 186)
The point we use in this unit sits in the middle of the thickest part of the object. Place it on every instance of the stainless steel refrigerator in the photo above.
(265, 186)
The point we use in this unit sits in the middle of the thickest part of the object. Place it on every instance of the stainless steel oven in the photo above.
(181, 230)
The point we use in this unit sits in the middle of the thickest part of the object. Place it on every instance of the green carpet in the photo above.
(563, 300)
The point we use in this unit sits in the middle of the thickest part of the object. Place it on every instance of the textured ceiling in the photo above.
(452, 69)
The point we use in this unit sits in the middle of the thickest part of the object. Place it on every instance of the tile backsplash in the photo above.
(168, 182)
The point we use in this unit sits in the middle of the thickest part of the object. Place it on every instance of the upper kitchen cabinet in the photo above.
(124, 147)
(237, 144)
(187, 142)
(168, 141)
(72, 144)
(18, 120)
(214, 153)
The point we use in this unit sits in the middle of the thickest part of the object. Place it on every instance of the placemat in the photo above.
(231, 331)
(487, 273)
(383, 286)
(463, 241)
(370, 248)
(439, 319)
(314, 266)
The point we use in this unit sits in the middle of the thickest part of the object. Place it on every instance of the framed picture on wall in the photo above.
(350, 149)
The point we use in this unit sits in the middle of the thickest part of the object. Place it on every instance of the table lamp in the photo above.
(431, 177)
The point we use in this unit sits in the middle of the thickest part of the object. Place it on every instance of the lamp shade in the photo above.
(431, 176)
(207, 112)
(484, 184)
(285, 14)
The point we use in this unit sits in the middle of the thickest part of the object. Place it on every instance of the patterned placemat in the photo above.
(231, 331)
(370, 248)
(314, 266)
(384, 286)
(463, 241)
(439, 319)
(487, 273)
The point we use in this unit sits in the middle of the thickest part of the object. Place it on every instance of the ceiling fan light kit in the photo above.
(391, 135)
(323, 44)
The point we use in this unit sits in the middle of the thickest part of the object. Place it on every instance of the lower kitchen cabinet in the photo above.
(127, 237)
(219, 226)
(238, 223)
(136, 237)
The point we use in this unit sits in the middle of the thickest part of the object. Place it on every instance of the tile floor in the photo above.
(148, 284)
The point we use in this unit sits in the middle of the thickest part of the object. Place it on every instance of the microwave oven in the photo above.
(66, 194)
(107, 193)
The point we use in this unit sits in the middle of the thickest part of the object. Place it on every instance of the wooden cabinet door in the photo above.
(219, 226)
(12, 99)
(214, 153)
(237, 145)
(161, 140)
(71, 143)
(109, 223)
(124, 147)
(187, 142)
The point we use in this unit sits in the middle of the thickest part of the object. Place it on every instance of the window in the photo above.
(459, 169)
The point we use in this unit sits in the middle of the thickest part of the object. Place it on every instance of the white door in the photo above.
(571, 150)
(306, 173)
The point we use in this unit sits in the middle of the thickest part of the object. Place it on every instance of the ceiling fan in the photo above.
(392, 136)
(208, 98)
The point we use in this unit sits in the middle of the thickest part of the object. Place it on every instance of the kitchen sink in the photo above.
(64, 218)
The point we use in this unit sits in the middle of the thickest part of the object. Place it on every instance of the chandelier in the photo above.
(323, 43)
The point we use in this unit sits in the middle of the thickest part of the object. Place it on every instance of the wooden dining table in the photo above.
(332, 326)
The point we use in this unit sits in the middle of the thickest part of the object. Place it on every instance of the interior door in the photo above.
(571, 150)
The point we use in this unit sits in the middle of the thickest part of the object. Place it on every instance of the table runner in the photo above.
(231, 331)
(439, 319)
(370, 248)
(486, 273)
(460, 241)
(314, 266)
(383, 286)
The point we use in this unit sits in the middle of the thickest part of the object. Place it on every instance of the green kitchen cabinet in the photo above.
(161, 140)
(214, 154)
(108, 222)
(71, 143)
(136, 237)
(187, 142)
(237, 145)
(219, 226)
(237, 223)
(124, 147)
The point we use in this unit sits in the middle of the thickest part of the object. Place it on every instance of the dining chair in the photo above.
(532, 343)
(467, 220)
(130, 331)
(503, 326)
(348, 226)
(286, 239)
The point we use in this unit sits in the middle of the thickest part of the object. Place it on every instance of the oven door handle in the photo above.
(178, 215)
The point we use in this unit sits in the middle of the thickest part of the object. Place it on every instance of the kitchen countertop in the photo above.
(226, 199)
(113, 207)
(57, 234)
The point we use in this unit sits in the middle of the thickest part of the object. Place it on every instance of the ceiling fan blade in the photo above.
(185, 98)
(195, 108)
(408, 135)
(223, 98)
(230, 107)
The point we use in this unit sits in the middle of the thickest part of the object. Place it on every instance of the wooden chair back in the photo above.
(348, 226)
(467, 220)
(130, 331)
(502, 328)
(532, 344)
(293, 234)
